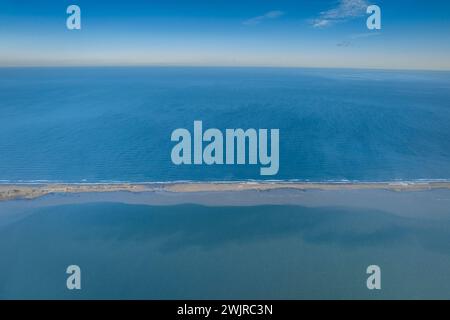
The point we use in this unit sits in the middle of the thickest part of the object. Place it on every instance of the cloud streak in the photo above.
(345, 10)
(267, 16)
(355, 37)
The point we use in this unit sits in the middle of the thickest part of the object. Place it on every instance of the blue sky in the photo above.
(300, 33)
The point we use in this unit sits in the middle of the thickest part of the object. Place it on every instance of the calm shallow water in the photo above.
(75, 124)
(190, 251)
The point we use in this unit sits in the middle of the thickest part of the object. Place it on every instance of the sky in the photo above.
(283, 33)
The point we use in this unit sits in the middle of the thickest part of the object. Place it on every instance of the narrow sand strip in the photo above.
(31, 191)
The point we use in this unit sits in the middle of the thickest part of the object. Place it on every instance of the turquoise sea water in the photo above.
(114, 124)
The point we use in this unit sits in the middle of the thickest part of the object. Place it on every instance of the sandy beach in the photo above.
(32, 191)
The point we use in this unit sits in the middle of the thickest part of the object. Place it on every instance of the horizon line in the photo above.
(222, 66)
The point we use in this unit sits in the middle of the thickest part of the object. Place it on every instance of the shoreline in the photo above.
(17, 191)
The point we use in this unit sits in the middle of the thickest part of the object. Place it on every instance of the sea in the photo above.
(115, 124)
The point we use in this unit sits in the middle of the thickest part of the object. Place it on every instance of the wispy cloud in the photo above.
(267, 16)
(364, 35)
(355, 37)
(346, 9)
(344, 44)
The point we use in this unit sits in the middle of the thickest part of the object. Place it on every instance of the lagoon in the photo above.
(193, 251)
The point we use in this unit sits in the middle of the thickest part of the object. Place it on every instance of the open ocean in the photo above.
(114, 124)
